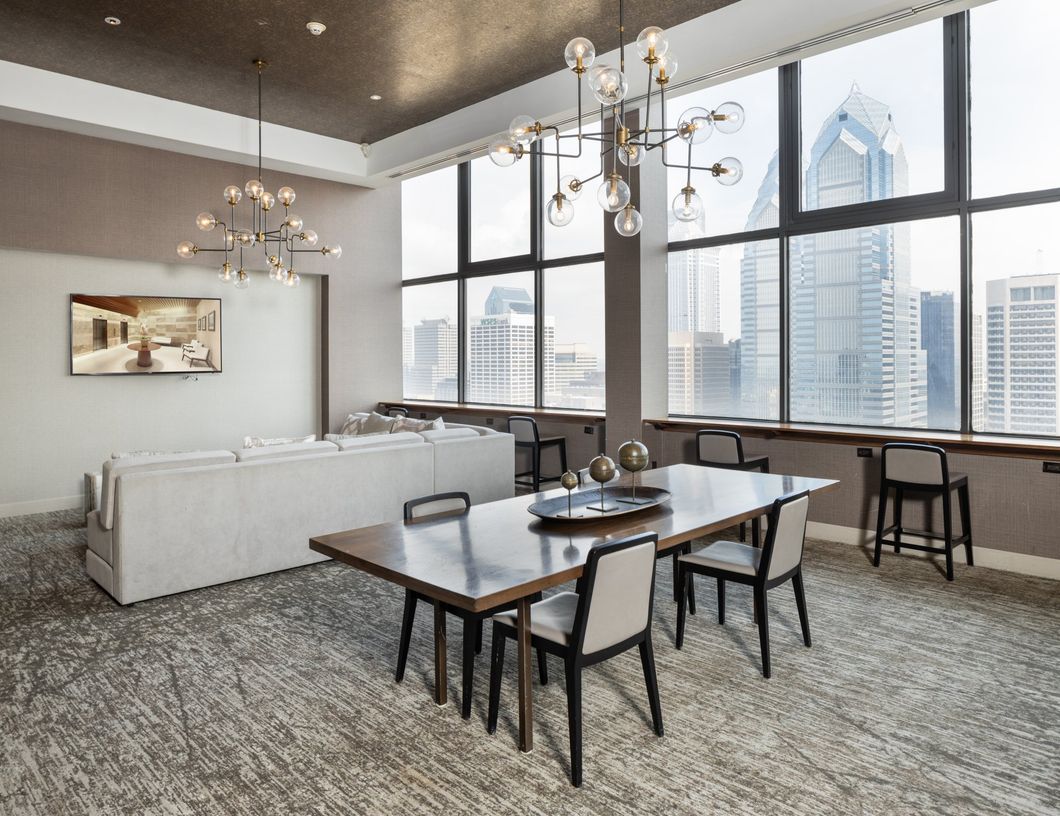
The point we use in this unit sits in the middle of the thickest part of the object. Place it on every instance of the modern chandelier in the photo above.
(623, 146)
(278, 245)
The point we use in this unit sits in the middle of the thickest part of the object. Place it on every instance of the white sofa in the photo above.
(176, 522)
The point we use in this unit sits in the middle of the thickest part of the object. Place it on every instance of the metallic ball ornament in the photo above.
(602, 469)
(569, 480)
(633, 456)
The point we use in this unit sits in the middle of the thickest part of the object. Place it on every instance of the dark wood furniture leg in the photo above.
(441, 691)
(406, 634)
(881, 518)
(471, 628)
(966, 522)
(526, 703)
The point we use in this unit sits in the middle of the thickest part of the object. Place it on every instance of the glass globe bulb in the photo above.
(695, 125)
(332, 251)
(560, 211)
(275, 260)
(579, 54)
(652, 42)
(631, 155)
(523, 130)
(294, 222)
(667, 66)
(571, 187)
(186, 249)
(205, 221)
(729, 117)
(224, 274)
(613, 194)
(608, 85)
(245, 237)
(268, 201)
(254, 189)
(286, 196)
(242, 279)
(628, 222)
(728, 171)
(293, 279)
(504, 152)
(687, 205)
(309, 238)
(233, 194)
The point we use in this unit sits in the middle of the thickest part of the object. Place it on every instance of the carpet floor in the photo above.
(276, 696)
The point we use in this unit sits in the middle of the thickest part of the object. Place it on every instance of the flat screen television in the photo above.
(140, 334)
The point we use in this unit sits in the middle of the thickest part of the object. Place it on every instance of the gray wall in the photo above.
(105, 217)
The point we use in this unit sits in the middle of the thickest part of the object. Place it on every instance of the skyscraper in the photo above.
(938, 338)
(1022, 355)
(501, 353)
(855, 345)
(694, 302)
(435, 353)
(699, 374)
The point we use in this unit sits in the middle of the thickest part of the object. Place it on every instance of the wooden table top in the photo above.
(138, 347)
(498, 552)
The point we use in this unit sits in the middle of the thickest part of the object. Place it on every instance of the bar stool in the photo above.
(397, 411)
(724, 449)
(524, 429)
(922, 469)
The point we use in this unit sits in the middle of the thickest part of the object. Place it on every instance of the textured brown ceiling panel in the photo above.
(425, 58)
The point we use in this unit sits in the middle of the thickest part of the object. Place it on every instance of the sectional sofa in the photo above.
(174, 522)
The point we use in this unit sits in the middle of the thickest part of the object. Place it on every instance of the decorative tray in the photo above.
(585, 504)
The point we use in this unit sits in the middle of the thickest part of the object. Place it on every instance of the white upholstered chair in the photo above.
(610, 614)
(779, 560)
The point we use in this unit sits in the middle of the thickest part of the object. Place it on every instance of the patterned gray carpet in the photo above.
(275, 696)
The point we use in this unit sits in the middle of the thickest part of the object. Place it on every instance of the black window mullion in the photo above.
(536, 236)
(463, 243)
(958, 99)
(789, 148)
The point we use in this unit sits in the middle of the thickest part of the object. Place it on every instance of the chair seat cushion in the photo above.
(731, 556)
(551, 619)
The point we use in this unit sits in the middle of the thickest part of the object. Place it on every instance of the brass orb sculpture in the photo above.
(602, 469)
(569, 481)
(634, 457)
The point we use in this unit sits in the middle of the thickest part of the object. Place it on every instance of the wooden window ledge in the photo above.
(477, 409)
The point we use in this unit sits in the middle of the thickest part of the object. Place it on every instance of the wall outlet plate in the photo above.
(1050, 467)
(589, 430)
(489, 420)
(423, 414)
(865, 453)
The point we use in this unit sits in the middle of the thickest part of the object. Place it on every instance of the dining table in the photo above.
(499, 553)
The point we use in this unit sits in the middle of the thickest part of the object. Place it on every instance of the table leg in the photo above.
(441, 691)
(526, 705)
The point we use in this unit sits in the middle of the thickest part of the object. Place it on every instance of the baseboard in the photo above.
(1021, 563)
(41, 506)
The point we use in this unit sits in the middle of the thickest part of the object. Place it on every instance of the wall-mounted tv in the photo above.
(139, 334)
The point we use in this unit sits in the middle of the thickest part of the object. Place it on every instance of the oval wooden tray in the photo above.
(585, 503)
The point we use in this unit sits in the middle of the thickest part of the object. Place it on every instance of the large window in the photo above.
(519, 319)
(882, 287)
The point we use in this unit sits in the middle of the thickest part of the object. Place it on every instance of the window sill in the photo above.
(975, 444)
(478, 409)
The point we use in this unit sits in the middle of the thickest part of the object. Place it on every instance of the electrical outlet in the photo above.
(865, 453)
(1050, 467)
(423, 415)
(589, 429)
(654, 464)
(489, 420)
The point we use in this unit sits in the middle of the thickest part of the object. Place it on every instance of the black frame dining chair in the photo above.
(397, 411)
(724, 449)
(525, 431)
(610, 614)
(910, 467)
(779, 561)
(434, 506)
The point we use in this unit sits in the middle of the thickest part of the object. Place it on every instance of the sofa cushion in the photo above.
(113, 468)
(280, 451)
(448, 433)
(261, 442)
(377, 440)
(481, 430)
(100, 541)
(409, 424)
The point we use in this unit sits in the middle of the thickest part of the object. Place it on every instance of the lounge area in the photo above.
(635, 407)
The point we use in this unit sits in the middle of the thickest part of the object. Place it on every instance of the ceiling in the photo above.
(426, 58)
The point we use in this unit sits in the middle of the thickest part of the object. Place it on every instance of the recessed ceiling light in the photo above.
(375, 97)
(112, 21)
(315, 28)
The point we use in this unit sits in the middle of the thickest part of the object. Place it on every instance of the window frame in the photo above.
(534, 261)
(954, 200)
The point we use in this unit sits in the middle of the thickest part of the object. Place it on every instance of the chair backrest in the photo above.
(523, 428)
(436, 504)
(618, 592)
(719, 447)
(782, 550)
(912, 463)
(397, 411)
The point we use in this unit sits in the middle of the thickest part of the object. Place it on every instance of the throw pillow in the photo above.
(128, 454)
(353, 425)
(259, 442)
(374, 423)
(409, 424)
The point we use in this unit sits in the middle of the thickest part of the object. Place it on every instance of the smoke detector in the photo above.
(366, 149)
(315, 28)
